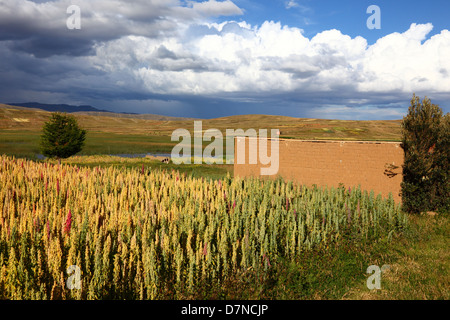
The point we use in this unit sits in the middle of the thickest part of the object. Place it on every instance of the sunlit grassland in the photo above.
(26, 143)
(20, 129)
(206, 171)
(418, 256)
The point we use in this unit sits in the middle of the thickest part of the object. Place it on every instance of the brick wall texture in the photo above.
(374, 166)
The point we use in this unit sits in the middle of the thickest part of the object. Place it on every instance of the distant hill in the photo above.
(133, 116)
(16, 122)
(57, 107)
(88, 111)
(92, 111)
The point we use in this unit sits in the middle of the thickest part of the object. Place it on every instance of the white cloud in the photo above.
(216, 8)
(40, 28)
(294, 4)
(162, 47)
(272, 57)
(291, 4)
(400, 61)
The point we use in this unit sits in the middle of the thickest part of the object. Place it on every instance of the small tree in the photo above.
(425, 144)
(62, 137)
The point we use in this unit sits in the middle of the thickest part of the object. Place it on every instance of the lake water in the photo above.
(141, 155)
(125, 155)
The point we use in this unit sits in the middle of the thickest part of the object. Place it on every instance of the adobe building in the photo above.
(373, 165)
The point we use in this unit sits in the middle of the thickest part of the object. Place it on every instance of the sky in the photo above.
(215, 58)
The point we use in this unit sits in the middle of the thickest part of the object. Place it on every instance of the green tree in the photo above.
(62, 137)
(441, 188)
(425, 143)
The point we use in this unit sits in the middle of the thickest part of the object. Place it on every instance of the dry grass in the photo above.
(298, 128)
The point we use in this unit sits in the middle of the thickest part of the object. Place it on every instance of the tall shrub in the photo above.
(62, 137)
(441, 174)
(425, 143)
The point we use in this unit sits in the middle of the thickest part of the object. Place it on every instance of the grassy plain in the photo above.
(20, 129)
(418, 259)
(212, 171)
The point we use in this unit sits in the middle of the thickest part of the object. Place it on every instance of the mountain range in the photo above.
(57, 107)
(92, 111)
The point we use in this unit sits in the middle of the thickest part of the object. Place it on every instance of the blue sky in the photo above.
(214, 58)
(348, 16)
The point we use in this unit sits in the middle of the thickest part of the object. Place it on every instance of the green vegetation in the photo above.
(419, 263)
(62, 137)
(19, 143)
(20, 129)
(426, 145)
(111, 143)
(191, 170)
(149, 234)
(25, 144)
(418, 255)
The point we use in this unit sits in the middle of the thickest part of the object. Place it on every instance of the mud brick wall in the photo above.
(375, 166)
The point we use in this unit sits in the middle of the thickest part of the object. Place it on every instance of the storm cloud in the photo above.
(159, 55)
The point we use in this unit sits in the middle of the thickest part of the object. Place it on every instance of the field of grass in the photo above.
(210, 171)
(419, 264)
(23, 143)
(20, 129)
(417, 254)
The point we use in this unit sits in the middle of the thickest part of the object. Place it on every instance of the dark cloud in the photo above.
(165, 57)
(39, 27)
(43, 47)
(164, 53)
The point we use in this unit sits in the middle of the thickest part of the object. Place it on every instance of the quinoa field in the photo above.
(146, 233)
